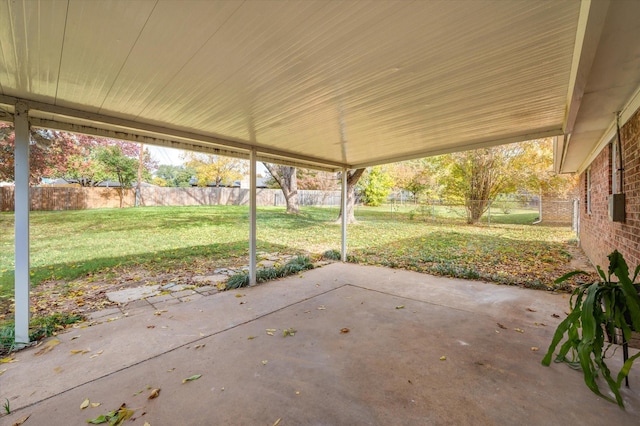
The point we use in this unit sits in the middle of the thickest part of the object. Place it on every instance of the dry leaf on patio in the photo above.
(84, 404)
(264, 362)
(555, 315)
(400, 307)
(531, 310)
(192, 378)
(79, 351)
(534, 348)
(443, 358)
(251, 337)
(321, 308)
(277, 422)
(47, 347)
(2, 371)
(146, 424)
(7, 360)
(270, 331)
(21, 420)
(344, 330)
(154, 393)
(519, 330)
(74, 337)
(501, 326)
(239, 295)
(199, 346)
(289, 332)
(95, 404)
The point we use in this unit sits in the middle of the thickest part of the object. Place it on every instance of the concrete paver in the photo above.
(367, 350)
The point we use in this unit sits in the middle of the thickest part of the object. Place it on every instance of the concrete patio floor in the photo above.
(386, 370)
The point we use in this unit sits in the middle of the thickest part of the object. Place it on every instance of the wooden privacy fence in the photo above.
(66, 198)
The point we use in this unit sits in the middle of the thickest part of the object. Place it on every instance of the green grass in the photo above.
(70, 244)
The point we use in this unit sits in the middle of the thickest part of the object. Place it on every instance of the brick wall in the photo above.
(598, 235)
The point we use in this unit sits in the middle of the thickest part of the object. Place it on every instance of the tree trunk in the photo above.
(286, 177)
(352, 179)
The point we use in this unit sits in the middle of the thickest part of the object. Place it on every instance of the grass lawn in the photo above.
(74, 245)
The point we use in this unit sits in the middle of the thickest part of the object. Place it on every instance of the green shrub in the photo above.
(295, 265)
(332, 254)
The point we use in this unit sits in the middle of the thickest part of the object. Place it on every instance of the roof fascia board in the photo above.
(590, 24)
(625, 114)
(147, 140)
(469, 147)
(166, 133)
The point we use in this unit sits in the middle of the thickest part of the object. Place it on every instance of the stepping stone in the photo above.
(135, 293)
(215, 279)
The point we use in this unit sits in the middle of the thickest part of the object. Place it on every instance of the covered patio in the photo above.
(332, 86)
(368, 348)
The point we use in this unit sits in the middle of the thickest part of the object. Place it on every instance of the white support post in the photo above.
(252, 217)
(343, 254)
(22, 281)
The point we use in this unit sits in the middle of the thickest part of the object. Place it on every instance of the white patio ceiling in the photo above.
(326, 84)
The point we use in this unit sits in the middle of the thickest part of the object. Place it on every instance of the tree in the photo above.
(216, 169)
(414, 176)
(176, 176)
(353, 176)
(317, 180)
(47, 156)
(478, 177)
(376, 186)
(286, 178)
(115, 163)
(65, 155)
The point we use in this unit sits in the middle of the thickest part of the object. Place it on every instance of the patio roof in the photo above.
(324, 84)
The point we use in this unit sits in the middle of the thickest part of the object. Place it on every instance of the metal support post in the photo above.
(252, 217)
(22, 281)
(343, 253)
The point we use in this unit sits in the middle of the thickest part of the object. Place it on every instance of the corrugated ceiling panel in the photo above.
(98, 39)
(30, 63)
(350, 82)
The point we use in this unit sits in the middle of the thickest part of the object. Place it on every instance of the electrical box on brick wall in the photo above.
(616, 207)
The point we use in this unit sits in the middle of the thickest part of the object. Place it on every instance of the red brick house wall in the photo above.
(599, 236)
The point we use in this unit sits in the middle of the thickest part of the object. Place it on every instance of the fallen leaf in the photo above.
(47, 347)
(239, 295)
(154, 393)
(519, 330)
(146, 424)
(251, 337)
(113, 319)
(21, 420)
(192, 378)
(289, 332)
(7, 360)
(443, 358)
(158, 313)
(270, 331)
(321, 308)
(534, 348)
(151, 326)
(501, 326)
(400, 307)
(277, 422)
(540, 324)
(265, 362)
(95, 404)
(79, 351)
(74, 337)
(57, 370)
(531, 310)
(555, 315)
(344, 330)
(84, 404)
(199, 346)
(2, 371)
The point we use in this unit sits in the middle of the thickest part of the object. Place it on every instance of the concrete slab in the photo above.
(386, 369)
